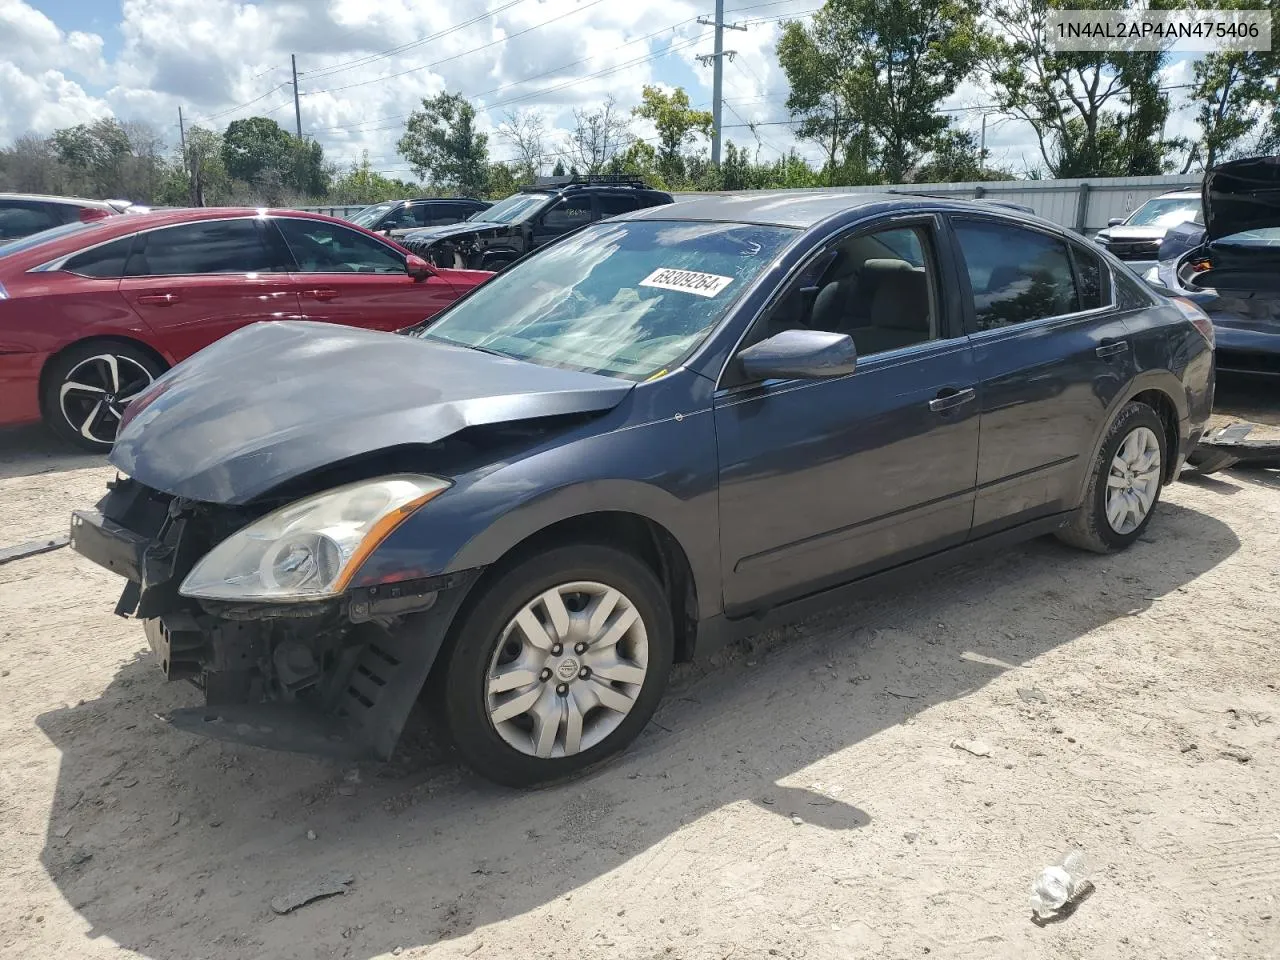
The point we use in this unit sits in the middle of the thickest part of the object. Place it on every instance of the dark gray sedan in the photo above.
(660, 433)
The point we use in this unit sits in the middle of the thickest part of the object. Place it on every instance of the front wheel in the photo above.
(559, 663)
(1125, 484)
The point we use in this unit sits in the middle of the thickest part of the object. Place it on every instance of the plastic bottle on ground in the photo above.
(1058, 884)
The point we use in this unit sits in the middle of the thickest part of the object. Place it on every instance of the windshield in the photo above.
(1165, 213)
(627, 299)
(44, 236)
(370, 214)
(515, 208)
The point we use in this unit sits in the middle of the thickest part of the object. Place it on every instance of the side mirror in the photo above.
(1115, 221)
(418, 268)
(799, 355)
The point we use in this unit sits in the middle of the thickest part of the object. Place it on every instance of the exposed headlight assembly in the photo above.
(310, 549)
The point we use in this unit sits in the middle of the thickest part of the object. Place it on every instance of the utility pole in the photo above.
(182, 134)
(297, 107)
(717, 76)
(982, 145)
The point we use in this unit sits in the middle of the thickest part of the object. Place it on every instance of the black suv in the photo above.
(395, 218)
(538, 214)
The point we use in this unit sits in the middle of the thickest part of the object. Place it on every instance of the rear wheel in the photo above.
(1125, 485)
(88, 388)
(560, 663)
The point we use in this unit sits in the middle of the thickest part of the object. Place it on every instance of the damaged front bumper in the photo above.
(336, 677)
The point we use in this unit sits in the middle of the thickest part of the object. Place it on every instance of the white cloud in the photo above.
(364, 66)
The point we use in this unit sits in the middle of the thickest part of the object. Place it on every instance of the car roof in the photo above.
(804, 209)
(1179, 195)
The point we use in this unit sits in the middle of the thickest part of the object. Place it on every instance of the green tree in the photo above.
(640, 159)
(813, 58)
(678, 124)
(1094, 113)
(254, 147)
(362, 184)
(1234, 92)
(955, 159)
(558, 170)
(505, 179)
(597, 136)
(444, 147)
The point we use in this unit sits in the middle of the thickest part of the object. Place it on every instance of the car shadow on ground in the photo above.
(174, 846)
(28, 451)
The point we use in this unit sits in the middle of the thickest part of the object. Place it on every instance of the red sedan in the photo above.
(90, 313)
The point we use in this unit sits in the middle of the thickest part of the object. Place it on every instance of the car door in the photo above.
(345, 276)
(566, 214)
(822, 481)
(1051, 352)
(196, 282)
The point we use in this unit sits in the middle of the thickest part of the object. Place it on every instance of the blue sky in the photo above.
(69, 61)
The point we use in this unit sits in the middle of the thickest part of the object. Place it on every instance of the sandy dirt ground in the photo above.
(798, 796)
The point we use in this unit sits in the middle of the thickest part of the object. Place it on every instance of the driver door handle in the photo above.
(326, 293)
(1111, 348)
(949, 398)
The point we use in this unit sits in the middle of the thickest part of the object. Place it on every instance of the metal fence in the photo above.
(1085, 205)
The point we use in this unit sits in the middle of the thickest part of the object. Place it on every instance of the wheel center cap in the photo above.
(568, 668)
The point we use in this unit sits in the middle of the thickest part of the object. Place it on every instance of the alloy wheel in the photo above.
(96, 391)
(567, 670)
(1133, 481)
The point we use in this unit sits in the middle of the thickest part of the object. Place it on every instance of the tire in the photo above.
(110, 373)
(1090, 527)
(502, 745)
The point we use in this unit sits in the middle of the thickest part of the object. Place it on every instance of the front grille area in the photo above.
(1134, 249)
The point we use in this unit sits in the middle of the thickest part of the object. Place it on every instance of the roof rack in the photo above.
(591, 179)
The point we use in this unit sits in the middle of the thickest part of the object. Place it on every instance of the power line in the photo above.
(247, 103)
(343, 65)
(456, 56)
(514, 83)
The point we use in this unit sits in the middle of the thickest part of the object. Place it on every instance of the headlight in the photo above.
(1152, 275)
(310, 549)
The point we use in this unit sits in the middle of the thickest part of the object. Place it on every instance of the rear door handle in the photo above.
(1112, 348)
(949, 398)
(326, 293)
(159, 299)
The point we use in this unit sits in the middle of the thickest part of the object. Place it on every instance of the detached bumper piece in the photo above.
(336, 678)
(1231, 446)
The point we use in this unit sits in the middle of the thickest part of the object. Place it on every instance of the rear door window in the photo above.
(20, 218)
(1016, 275)
(322, 247)
(205, 247)
(613, 204)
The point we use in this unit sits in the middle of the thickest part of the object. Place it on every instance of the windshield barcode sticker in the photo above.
(687, 281)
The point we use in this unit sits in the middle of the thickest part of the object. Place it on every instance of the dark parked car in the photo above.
(527, 220)
(90, 313)
(22, 214)
(395, 218)
(657, 434)
(1230, 266)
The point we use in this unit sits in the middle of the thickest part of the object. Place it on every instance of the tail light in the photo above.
(90, 214)
(1199, 319)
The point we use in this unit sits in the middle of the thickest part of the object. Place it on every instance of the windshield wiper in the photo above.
(427, 335)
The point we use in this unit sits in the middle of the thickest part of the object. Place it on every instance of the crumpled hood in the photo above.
(276, 400)
(1241, 195)
(453, 230)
